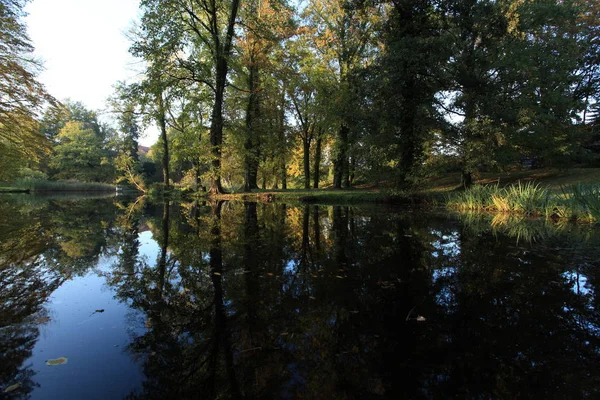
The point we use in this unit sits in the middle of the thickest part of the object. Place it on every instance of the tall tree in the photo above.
(408, 76)
(266, 24)
(22, 96)
(343, 33)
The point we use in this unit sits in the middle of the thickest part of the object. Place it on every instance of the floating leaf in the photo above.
(339, 277)
(57, 361)
(42, 320)
(12, 388)
(216, 274)
(270, 274)
(421, 318)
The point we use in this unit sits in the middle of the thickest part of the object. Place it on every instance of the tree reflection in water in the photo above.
(267, 301)
(42, 244)
(250, 300)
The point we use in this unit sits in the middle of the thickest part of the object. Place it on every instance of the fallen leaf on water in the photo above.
(57, 361)
(339, 277)
(314, 276)
(12, 388)
(312, 297)
(42, 320)
(421, 318)
(270, 274)
(216, 274)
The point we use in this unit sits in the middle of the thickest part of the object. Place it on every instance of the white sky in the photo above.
(83, 47)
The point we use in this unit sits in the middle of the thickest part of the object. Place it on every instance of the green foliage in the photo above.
(585, 199)
(79, 154)
(22, 97)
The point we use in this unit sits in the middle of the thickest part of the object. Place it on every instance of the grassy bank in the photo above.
(323, 196)
(551, 178)
(576, 202)
(43, 186)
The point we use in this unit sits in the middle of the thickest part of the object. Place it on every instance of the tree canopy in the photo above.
(249, 94)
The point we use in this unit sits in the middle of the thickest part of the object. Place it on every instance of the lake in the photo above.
(110, 298)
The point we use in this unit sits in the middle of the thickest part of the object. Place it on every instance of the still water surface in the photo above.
(246, 300)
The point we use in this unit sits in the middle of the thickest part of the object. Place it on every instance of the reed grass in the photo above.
(576, 202)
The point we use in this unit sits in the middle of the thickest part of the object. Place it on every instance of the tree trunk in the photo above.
(283, 175)
(282, 142)
(222, 52)
(306, 154)
(162, 124)
(317, 161)
(341, 158)
(216, 127)
(252, 144)
(347, 183)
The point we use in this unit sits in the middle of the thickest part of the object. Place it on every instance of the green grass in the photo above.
(575, 203)
(41, 185)
(551, 178)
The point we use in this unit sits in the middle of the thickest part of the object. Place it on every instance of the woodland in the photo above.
(262, 94)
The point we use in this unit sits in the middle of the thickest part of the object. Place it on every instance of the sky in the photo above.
(83, 47)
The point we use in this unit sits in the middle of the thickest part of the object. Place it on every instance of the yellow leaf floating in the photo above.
(12, 388)
(420, 318)
(57, 361)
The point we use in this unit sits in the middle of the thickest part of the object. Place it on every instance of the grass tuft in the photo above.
(577, 202)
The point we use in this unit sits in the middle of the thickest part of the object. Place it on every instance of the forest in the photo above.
(263, 94)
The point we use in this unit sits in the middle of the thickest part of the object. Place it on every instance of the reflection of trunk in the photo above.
(340, 231)
(221, 336)
(162, 260)
(305, 238)
(317, 160)
(316, 228)
(250, 263)
(131, 245)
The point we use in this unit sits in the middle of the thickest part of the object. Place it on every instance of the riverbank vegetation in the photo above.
(251, 96)
(575, 203)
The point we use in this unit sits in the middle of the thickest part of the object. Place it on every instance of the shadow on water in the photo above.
(247, 300)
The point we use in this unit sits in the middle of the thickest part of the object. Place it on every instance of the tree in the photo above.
(22, 97)
(403, 85)
(266, 24)
(80, 154)
(343, 34)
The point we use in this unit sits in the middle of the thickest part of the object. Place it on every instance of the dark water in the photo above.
(261, 301)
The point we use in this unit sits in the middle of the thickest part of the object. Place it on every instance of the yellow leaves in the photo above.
(513, 18)
(57, 361)
(12, 388)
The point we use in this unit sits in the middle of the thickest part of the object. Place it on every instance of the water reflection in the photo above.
(247, 300)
